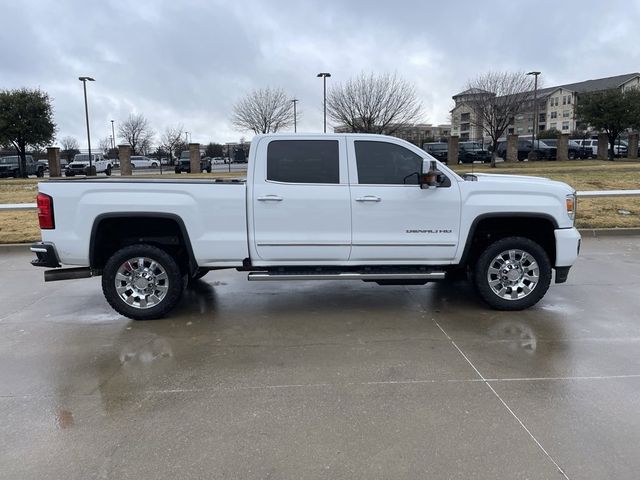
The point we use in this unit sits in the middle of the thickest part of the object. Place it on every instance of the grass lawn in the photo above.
(18, 227)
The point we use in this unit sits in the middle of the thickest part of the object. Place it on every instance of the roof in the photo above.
(586, 86)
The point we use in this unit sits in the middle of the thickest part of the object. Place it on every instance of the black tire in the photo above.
(40, 173)
(154, 165)
(107, 171)
(166, 261)
(485, 261)
(209, 170)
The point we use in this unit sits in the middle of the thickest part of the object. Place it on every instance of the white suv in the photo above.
(143, 162)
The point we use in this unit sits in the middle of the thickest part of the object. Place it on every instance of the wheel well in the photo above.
(488, 230)
(112, 233)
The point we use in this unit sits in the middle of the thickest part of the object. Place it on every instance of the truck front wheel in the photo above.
(142, 282)
(512, 273)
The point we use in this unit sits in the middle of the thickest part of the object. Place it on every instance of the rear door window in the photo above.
(303, 161)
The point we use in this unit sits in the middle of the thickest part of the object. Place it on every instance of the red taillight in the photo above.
(45, 211)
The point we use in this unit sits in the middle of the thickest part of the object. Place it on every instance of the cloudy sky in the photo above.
(188, 61)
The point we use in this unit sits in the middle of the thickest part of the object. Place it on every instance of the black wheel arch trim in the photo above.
(193, 264)
(485, 216)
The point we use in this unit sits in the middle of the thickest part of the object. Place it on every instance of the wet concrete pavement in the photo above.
(324, 380)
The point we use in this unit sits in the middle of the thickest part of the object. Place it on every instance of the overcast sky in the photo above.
(188, 62)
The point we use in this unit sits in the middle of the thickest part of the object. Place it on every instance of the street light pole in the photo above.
(324, 76)
(295, 116)
(113, 136)
(84, 81)
(535, 107)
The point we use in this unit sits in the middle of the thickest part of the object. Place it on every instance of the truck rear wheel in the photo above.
(142, 282)
(512, 273)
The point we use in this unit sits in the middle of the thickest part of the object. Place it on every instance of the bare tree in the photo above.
(70, 147)
(171, 138)
(374, 104)
(136, 131)
(265, 110)
(105, 145)
(495, 98)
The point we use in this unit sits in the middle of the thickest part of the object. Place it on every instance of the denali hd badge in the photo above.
(428, 231)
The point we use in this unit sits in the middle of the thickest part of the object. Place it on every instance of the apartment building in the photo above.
(417, 134)
(556, 107)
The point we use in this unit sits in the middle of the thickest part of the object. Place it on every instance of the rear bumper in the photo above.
(46, 255)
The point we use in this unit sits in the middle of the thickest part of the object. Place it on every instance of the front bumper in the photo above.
(568, 242)
(46, 255)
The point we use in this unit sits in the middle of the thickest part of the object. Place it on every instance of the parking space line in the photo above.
(513, 414)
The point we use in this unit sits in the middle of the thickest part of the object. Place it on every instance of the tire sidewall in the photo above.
(484, 260)
(142, 250)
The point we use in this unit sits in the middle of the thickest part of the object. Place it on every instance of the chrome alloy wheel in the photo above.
(513, 274)
(142, 282)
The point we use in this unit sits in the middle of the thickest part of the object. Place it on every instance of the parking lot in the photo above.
(324, 380)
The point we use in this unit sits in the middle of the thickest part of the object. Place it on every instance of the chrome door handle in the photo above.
(368, 198)
(270, 198)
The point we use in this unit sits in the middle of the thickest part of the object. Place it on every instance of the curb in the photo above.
(585, 232)
(609, 232)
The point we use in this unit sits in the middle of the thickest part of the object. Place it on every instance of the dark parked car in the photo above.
(438, 150)
(575, 149)
(541, 150)
(469, 152)
(184, 165)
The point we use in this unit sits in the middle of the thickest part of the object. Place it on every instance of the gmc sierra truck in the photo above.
(313, 207)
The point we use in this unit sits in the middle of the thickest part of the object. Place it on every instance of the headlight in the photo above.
(572, 203)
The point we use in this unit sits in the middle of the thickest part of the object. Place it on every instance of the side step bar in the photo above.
(266, 276)
(67, 274)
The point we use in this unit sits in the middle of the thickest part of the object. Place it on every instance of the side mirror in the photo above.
(430, 178)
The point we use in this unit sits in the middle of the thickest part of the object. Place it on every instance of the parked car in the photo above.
(44, 164)
(575, 150)
(138, 161)
(404, 219)
(184, 165)
(619, 149)
(469, 152)
(438, 150)
(541, 150)
(218, 161)
(80, 165)
(10, 166)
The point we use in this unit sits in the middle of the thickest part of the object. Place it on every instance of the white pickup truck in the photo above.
(313, 207)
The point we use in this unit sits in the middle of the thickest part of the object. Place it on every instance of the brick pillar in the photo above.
(124, 154)
(563, 147)
(512, 148)
(454, 147)
(603, 146)
(633, 145)
(194, 152)
(53, 158)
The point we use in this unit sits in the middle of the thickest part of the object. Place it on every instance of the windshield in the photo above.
(83, 157)
(471, 146)
(9, 160)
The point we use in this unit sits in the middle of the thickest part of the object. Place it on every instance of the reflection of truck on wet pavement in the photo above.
(314, 207)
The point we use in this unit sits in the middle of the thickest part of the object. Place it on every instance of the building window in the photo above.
(569, 99)
(519, 130)
(510, 130)
(554, 114)
(542, 117)
(464, 127)
(564, 99)
(303, 161)
(529, 129)
(465, 117)
(519, 117)
(565, 114)
(565, 125)
(553, 125)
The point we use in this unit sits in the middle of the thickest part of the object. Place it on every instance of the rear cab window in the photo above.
(303, 161)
